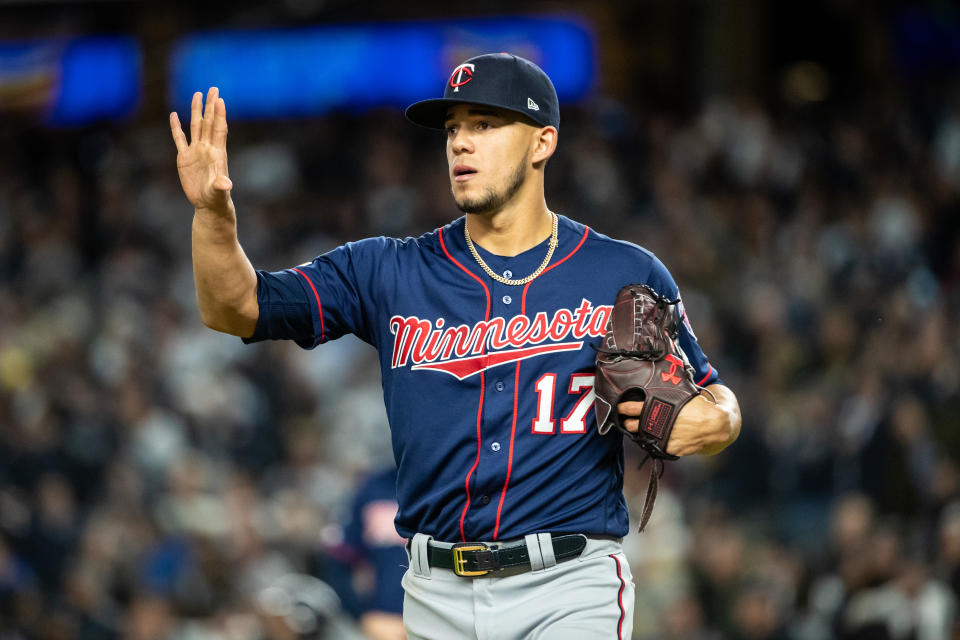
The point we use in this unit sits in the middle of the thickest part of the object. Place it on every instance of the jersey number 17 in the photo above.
(576, 420)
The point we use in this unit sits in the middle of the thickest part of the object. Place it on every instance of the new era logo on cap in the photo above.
(498, 80)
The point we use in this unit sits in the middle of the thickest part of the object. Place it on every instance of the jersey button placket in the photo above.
(498, 414)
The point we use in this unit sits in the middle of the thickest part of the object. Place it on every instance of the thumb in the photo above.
(222, 183)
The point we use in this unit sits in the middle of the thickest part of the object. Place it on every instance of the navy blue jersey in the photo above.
(372, 538)
(488, 387)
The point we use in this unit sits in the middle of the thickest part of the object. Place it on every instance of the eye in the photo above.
(452, 129)
(483, 124)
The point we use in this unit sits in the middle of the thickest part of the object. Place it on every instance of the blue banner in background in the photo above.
(308, 71)
(71, 82)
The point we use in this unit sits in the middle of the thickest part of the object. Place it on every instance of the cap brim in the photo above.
(433, 113)
(430, 113)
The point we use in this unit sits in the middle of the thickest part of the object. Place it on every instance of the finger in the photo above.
(632, 425)
(630, 408)
(207, 133)
(195, 118)
(178, 138)
(220, 124)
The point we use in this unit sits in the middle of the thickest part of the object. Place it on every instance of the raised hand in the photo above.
(202, 163)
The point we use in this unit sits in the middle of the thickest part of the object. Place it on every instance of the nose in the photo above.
(461, 142)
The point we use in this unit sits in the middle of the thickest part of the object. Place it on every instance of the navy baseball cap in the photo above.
(497, 80)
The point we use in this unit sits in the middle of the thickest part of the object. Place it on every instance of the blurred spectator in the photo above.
(299, 607)
(158, 480)
(372, 559)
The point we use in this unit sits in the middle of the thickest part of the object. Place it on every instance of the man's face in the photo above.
(488, 151)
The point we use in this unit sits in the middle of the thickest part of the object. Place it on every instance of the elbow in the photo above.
(731, 430)
(211, 321)
(726, 422)
(234, 322)
(734, 426)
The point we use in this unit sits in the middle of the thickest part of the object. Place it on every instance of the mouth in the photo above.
(462, 173)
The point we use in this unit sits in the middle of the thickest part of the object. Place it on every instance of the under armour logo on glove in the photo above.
(671, 375)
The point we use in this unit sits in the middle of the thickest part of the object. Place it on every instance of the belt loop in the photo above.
(533, 550)
(546, 549)
(419, 555)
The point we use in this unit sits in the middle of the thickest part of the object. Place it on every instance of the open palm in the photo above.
(202, 163)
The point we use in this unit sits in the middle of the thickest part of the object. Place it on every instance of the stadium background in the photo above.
(795, 164)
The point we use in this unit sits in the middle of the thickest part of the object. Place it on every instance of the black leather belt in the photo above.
(480, 558)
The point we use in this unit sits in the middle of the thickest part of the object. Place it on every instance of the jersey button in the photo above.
(484, 500)
(495, 446)
(507, 299)
(508, 274)
(499, 385)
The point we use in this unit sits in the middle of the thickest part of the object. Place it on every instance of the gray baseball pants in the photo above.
(586, 598)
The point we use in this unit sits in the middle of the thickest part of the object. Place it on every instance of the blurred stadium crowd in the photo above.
(155, 476)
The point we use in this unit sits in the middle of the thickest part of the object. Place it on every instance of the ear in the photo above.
(544, 144)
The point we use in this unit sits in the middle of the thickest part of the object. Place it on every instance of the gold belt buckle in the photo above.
(459, 562)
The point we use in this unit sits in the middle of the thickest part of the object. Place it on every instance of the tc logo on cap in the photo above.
(461, 76)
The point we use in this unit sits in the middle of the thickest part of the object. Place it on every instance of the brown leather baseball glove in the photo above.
(639, 359)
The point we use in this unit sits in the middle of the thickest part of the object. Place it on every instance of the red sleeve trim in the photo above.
(709, 373)
(316, 296)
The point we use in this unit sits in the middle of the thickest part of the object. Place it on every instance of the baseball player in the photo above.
(510, 498)
(371, 539)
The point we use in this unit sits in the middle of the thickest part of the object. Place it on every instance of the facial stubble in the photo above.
(493, 200)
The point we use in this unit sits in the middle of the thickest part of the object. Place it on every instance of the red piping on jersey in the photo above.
(486, 317)
(516, 382)
(623, 613)
(317, 297)
(709, 371)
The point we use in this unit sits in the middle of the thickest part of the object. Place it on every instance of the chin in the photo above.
(469, 203)
(466, 205)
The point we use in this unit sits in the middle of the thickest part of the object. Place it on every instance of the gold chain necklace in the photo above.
(498, 277)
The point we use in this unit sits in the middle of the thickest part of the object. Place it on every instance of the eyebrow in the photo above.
(476, 112)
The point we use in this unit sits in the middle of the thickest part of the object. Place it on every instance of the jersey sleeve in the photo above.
(662, 282)
(321, 300)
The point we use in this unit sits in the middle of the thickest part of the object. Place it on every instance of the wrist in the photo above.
(226, 211)
(215, 225)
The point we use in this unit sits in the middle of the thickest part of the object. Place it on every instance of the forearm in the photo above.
(225, 280)
(707, 427)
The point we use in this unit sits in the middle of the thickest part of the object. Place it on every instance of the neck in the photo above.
(512, 230)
